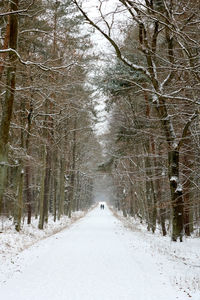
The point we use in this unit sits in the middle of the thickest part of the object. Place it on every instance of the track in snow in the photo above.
(92, 260)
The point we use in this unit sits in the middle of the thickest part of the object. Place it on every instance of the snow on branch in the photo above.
(12, 12)
(17, 11)
(113, 43)
(39, 65)
(174, 179)
(34, 30)
(179, 188)
(166, 80)
(185, 129)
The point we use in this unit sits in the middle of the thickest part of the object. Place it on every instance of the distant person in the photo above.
(102, 206)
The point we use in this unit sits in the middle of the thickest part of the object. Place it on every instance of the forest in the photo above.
(148, 157)
(46, 111)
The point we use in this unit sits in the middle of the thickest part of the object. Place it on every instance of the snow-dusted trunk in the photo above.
(44, 189)
(28, 167)
(72, 179)
(47, 184)
(149, 164)
(5, 46)
(162, 210)
(19, 202)
(61, 187)
(174, 146)
(54, 200)
(132, 202)
(188, 166)
(176, 195)
(173, 170)
(41, 220)
(123, 207)
(28, 193)
(9, 99)
(150, 195)
(55, 185)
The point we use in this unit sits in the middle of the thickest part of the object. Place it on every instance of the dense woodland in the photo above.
(46, 111)
(150, 158)
(153, 93)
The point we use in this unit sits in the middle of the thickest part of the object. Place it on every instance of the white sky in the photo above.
(108, 9)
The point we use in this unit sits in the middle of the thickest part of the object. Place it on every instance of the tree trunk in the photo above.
(123, 207)
(132, 202)
(176, 196)
(47, 184)
(19, 202)
(188, 166)
(162, 221)
(28, 193)
(41, 219)
(55, 199)
(5, 46)
(61, 188)
(28, 167)
(162, 210)
(150, 193)
(9, 99)
(72, 179)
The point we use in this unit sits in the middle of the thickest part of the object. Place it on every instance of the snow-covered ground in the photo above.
(181, 261)
(97, 258)
(13, 243)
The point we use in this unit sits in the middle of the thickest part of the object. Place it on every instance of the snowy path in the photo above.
(92, 260)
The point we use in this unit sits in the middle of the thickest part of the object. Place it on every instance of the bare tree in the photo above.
(165, 43)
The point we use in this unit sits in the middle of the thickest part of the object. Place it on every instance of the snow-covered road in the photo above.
(92, 260)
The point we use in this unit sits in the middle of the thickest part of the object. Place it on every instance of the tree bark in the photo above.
(9, 99)
(28, 193)
(47, 183)
(5, 46)
(54, 197)
(72, 179)
(61, 188)
(187, 168)
(19, 202)
(28, 167)
(176, 196)
(150, 192)
(41, 219)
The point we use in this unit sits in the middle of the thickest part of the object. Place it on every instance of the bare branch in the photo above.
(186, 128)
(40, 65)
(17, 11)
(115, 46)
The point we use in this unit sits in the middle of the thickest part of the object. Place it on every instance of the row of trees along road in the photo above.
(153, 90)
(46, 129)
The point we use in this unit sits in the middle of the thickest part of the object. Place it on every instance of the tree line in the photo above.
(153, 93)
(47, 143)
(46, 111)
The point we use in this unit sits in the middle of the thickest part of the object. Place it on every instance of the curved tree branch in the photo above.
(113, 43)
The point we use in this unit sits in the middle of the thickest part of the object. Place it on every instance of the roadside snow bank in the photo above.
(181, 261)
(13, 242)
